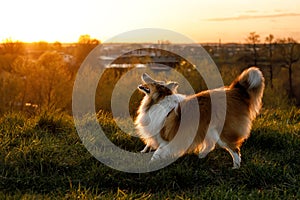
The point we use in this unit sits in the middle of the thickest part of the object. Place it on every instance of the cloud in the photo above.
(251, 11)
(245, 17)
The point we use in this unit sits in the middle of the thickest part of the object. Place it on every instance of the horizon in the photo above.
(203, 22)
(72, 43)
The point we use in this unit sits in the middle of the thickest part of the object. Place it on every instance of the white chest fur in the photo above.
(149, 123)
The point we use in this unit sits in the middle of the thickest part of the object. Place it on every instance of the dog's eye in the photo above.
(144, 89)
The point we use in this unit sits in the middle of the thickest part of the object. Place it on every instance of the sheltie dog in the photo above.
(162, 109)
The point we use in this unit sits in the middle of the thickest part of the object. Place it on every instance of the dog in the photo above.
(162, 108)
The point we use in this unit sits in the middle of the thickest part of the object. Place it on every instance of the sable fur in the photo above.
(160, 112)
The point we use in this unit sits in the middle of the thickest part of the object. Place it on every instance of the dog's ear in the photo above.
(172, 86)
(147, 79)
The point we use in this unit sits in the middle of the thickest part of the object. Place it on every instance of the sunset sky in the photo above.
(201, 20)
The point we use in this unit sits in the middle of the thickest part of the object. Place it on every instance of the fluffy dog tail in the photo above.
(251, 82)
(251, 79)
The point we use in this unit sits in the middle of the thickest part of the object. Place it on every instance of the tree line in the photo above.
(285, 52)
(37, 76)
(277, 57)
(40, 75)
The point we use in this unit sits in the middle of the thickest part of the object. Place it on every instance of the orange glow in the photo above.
(203, 21)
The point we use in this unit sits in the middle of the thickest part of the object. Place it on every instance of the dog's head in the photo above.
(157, 89)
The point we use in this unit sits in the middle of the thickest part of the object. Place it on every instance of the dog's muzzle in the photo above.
(144, 89)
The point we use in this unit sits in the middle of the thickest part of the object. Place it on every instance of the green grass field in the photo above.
(42, 157)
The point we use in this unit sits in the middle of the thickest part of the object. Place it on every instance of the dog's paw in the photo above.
(155, 157)
(202, 155)
(160, 153)
(236, 160)
(236, 165)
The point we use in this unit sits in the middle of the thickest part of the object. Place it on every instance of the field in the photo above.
(42, 157)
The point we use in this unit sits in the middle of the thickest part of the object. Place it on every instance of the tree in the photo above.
(289, 50)
(12, 47)
(84, 46)
(253, 39)
(10, 88)
(270, 47)
(57, 46)
(9, 51)
(13, 86)
(49, 83)
(42, 46)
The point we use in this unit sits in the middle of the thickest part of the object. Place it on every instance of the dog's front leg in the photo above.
(161, 152)
(173, 149)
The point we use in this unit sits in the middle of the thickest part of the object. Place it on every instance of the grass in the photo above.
(42, 157)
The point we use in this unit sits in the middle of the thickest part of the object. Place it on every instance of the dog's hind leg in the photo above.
(205, 149)
(235, 154)
(146, 149)
(209, 142)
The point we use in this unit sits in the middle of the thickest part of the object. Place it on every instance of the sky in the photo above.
(201, 20)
